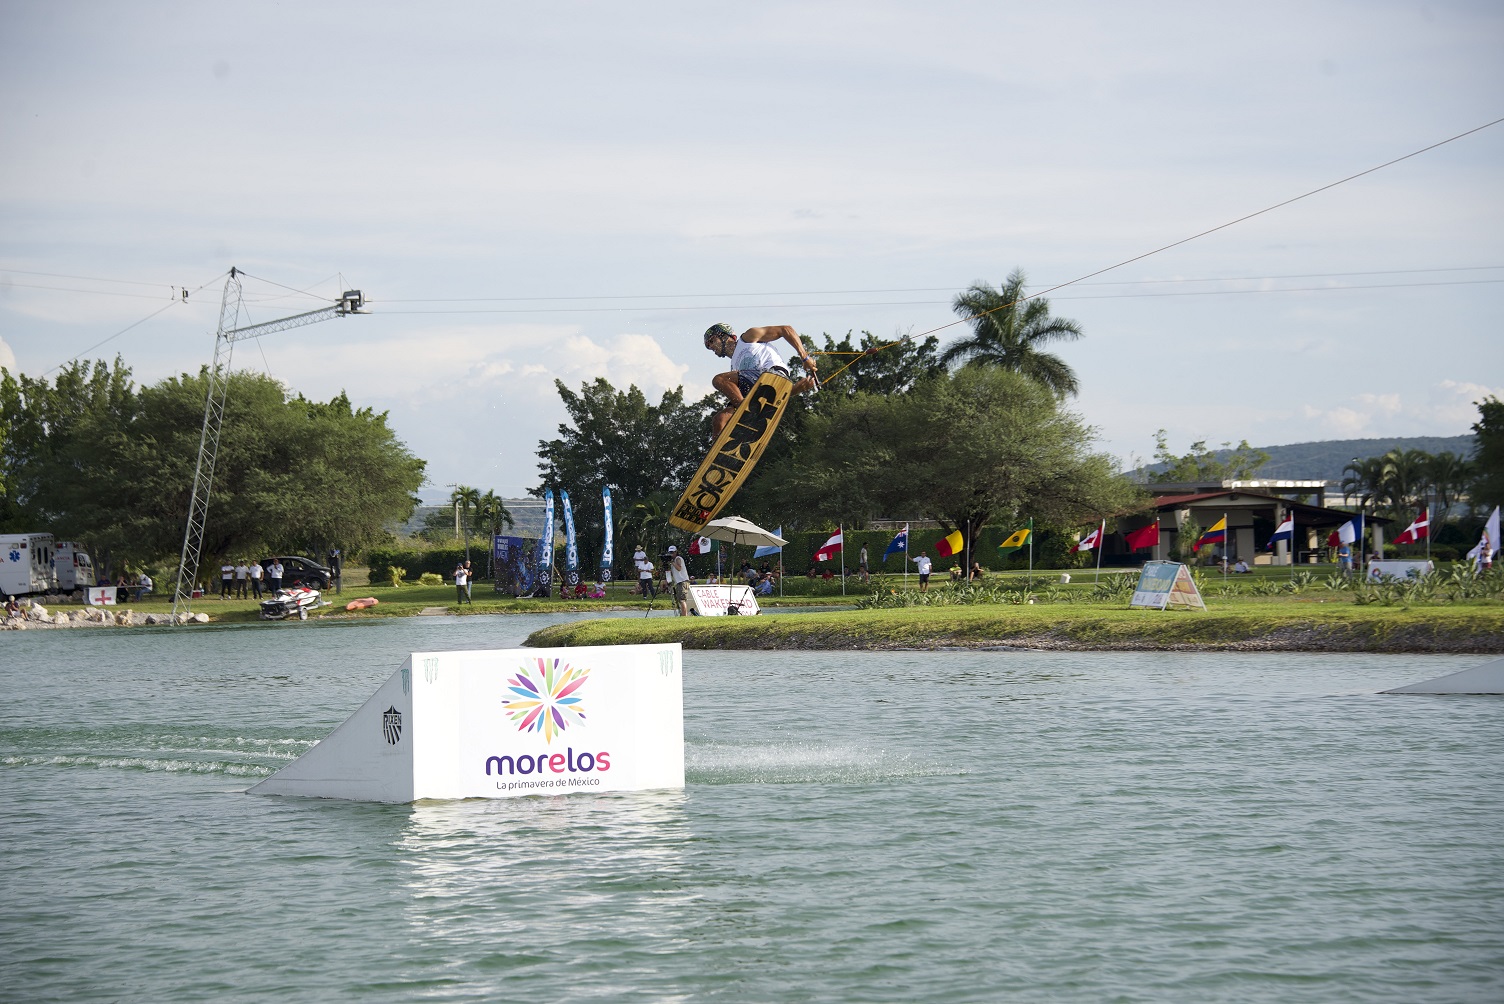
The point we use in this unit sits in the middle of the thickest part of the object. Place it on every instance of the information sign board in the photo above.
(1166, 584)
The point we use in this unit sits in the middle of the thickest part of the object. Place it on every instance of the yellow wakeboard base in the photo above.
(735, 452)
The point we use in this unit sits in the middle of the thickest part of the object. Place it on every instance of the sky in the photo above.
(536, 192)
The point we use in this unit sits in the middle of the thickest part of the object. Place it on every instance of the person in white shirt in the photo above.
(274, 575)
(461, 583)
(242, 577)
(924, 565)
(678, 577)
(256, 573)
(644, 573)
(751, 356)
(226, 580)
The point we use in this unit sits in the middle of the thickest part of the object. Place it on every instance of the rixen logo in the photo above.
(567, 762)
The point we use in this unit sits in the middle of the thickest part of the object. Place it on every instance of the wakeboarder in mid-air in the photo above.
(752, 356)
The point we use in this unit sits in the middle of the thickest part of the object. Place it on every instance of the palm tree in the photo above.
(465, 500)
(1450, 475)
(493, 511)
(1008, 330)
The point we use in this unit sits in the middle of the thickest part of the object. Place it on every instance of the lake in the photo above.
(898, 826)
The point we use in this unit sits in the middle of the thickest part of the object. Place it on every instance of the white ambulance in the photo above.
(75, 569)
(27, 564)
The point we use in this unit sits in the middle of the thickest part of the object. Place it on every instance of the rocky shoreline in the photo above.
(36, 616)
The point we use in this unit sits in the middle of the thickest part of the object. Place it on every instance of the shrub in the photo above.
(394, 574)
(430, 579)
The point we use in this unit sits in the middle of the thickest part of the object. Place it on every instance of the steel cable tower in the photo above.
(350, 302)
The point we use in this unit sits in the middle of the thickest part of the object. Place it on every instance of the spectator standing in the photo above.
(336, 565)
(469, 582)
(644, 573)
(226, 579)
(256, 572)
(242, 579)
(678, 576)
(462, 584)
(274, 575)
(923, 566)
(861, 564)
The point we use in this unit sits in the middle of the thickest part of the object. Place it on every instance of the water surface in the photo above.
(952, 826)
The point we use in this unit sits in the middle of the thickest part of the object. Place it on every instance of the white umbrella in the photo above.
(737, 530)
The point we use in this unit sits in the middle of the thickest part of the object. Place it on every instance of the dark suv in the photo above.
(298, 571)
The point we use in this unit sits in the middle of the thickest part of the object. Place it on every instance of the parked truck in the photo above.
(27, 564)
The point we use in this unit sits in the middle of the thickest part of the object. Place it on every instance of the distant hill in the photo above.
(1324, 461)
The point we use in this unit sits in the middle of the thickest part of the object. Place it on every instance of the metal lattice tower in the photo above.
(225, 338)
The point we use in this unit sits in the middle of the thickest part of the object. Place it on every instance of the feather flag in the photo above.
(571, 545)
(1143, 537)
(1417, 531)
(543, 560)
(900, 544)
(1482, 556)
(830, 548)
(1091, 540)
(607, 558)
(1284, 532)
(1216, 535)
(950, 544)
(1014, 542)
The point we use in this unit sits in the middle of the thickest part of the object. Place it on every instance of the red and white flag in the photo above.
(830, 548)
(1417, 531)
(700, 545)
(1091, 540)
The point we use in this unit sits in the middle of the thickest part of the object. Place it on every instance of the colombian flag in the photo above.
(949, 545)
(1013, 543)
(1216, 535)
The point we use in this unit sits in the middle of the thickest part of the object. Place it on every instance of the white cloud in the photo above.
(7, 357)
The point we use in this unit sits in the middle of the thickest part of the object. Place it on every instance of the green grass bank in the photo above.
(1311, 625)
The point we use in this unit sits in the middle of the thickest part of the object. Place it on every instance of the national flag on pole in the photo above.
(767, 549)
(700, 545)
(1488, 545)
(1143, 537)
(1013, 543)
(1417, 531)
(899, 545)
(1284, 532)
(950, 544)
(1346, 533)
(1092, 539)
(830, 548)
(1216, 535)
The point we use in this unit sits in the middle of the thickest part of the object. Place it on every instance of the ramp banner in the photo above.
(1166, 584)
(509, 558)
(543, 563)
(607, 558)
(571, 546)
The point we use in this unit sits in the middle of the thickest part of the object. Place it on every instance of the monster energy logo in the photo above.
(391, 725)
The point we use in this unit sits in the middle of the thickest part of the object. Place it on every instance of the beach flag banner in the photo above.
(1091, 540)
(571, 545)
(1143, 537)
(543, 561)
(899, 544)
(1417, 531)
(1284, 532)
(830, 548)
(767, 549)
(1164, 584)
(607, 557)
(950, 544)
(700, 545)
(1017, 540)
(1216, 535)
(1482, 556)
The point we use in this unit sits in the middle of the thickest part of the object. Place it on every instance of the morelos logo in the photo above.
(741, 448)
(548, 699)
(391, 725)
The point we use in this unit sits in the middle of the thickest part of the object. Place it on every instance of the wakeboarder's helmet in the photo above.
(716, 331)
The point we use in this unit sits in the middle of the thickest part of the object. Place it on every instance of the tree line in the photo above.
(92, 456)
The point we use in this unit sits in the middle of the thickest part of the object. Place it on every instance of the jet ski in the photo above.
(285, 603)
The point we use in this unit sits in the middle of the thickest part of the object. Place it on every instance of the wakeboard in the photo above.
(734, 453)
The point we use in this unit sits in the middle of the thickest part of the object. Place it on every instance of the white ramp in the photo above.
(1485, 679)
(496, 724)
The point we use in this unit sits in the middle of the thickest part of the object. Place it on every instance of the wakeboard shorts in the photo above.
(746, 378)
